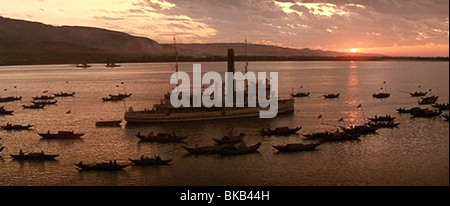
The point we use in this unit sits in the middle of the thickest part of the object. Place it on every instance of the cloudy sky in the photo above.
(391, 27)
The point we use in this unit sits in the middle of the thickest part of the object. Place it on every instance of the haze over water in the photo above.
(416, 153)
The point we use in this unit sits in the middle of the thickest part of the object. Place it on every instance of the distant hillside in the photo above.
(17, 31)
(219, 49)
(24, 42)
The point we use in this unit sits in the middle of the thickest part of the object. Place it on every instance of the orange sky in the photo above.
(390, 27)
(431, 50)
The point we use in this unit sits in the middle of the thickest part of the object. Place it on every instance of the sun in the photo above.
(353, 50)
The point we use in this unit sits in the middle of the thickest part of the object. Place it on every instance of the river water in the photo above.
(416, 153)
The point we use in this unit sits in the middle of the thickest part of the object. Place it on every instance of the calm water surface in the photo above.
(417, 153)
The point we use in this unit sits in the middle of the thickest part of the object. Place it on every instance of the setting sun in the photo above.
(353, 50)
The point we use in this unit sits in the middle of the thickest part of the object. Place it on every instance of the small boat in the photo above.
(280, 131)
(3, 111)
(443, 107)
(418, 94)
(296, 147)
(428, 100)
(44, 97)
(84, 66)
(121, 95)
(64, 94)
(426, 113)
(9, 99)
(301, 94)
(386, 124)
(111, 166)
(381, 95)
(408, 111)
(382, 118)
(206, 149)
(45, 102)
(61, 135)
(360, 129)
(34, 106)
(16, 127)
(113, 98)
(240, 149)
(161, 137)
(144, 161)
(319, 135)
(331, 96)
(108, 123)
(342, 136)
(34, 156)
(229, 139)
(445, 116)
(112, 65)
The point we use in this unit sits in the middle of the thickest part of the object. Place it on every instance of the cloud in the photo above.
(326, 24)
(160, 4)
(303, 10)
(106, 18)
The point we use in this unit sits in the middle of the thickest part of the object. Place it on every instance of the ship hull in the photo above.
(284, 106)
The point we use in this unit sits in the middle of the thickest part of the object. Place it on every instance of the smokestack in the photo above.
(231, 60)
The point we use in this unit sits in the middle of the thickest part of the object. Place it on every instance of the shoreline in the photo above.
(170, 59)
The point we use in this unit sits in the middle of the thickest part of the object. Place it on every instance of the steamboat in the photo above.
(166, 113)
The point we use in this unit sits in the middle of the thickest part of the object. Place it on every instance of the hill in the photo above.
(217, 49)
(24, 42)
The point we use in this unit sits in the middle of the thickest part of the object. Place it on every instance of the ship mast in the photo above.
(176, 52)
(246, 65)
(246, 57)
(176, 55)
